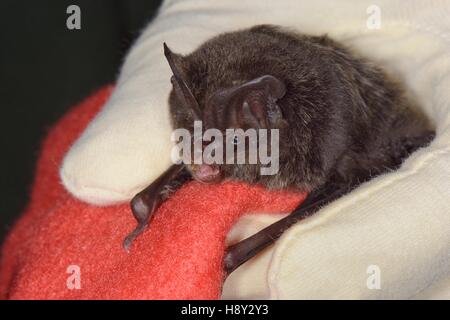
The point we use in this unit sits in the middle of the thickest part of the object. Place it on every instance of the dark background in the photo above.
(46, 68)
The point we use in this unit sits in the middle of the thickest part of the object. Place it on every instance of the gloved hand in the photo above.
(399, 221)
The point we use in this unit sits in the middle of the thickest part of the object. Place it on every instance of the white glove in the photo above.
(398, 223)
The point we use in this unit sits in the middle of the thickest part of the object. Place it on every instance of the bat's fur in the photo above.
(344, 120)
(347, 120)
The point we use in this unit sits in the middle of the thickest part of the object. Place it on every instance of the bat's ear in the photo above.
(254, 103)
(179, 83)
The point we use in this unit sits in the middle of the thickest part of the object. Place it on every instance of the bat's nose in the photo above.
(206, 173)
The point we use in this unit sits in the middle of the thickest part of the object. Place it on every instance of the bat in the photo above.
(341, 119)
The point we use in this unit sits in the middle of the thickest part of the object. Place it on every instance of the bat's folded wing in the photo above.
(387, 239)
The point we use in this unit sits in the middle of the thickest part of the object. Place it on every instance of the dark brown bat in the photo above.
(341, 120)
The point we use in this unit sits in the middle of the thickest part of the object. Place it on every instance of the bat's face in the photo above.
(232, 124)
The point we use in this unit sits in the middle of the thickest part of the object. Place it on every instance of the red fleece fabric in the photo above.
(178, 257)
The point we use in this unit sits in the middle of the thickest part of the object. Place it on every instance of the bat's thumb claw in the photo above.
(126, 244)
(132, 236)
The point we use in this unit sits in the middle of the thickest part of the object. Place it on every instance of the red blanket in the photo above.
(62, 248)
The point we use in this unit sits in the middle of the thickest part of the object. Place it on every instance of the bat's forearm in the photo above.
(239, 253)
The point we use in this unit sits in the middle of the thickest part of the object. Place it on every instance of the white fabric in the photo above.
(399, 222)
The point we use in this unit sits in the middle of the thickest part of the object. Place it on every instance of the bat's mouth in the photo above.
(206, 173)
